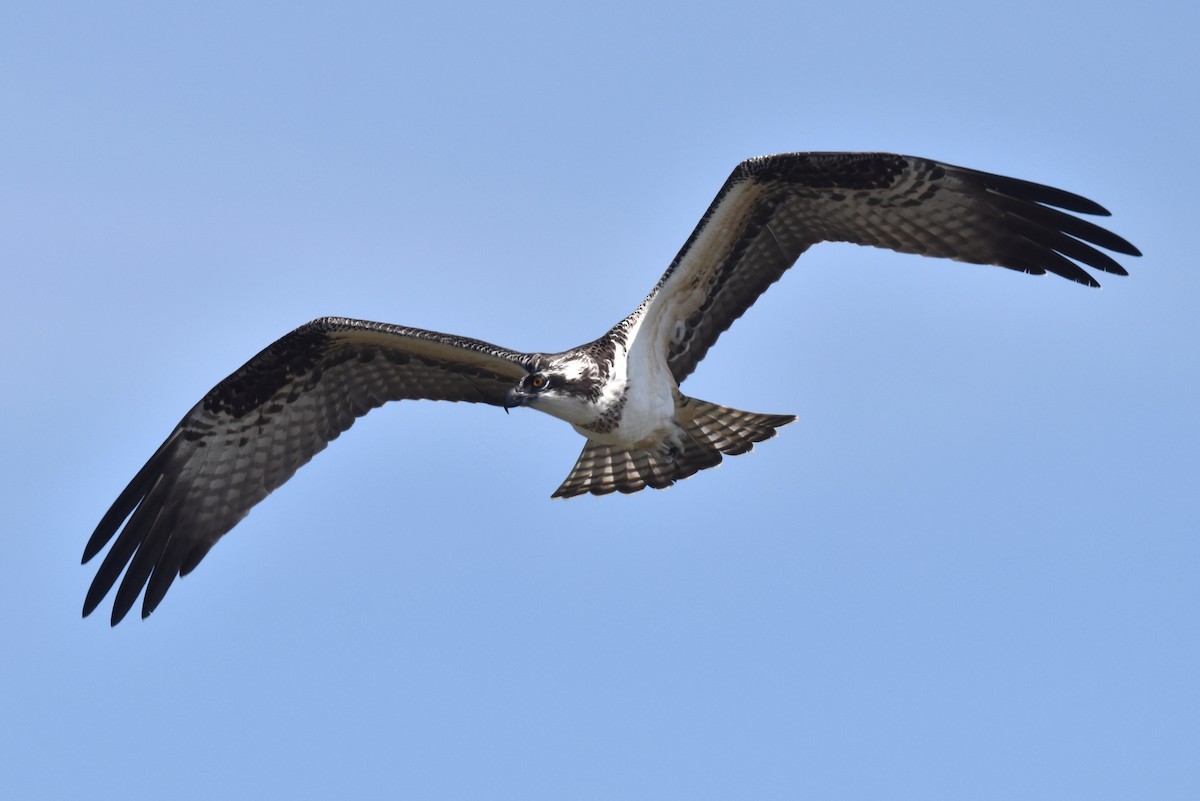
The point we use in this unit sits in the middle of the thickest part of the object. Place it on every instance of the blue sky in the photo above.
(968, 570)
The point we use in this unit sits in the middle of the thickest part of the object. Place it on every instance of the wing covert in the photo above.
(772, 209)
(253, 430)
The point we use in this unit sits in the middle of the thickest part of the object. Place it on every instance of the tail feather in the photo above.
(709, 431)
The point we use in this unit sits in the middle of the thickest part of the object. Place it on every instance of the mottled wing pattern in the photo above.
(774, 208)
(252, 431)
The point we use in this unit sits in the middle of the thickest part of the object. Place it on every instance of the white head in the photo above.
(569, 386)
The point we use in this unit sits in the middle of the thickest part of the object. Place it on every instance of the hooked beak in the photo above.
(514, 398)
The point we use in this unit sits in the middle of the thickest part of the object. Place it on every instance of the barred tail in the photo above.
(709, 430)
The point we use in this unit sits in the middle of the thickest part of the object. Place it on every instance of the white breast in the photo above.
(648, 415)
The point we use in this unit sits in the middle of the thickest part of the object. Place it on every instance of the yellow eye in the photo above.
(538, 381)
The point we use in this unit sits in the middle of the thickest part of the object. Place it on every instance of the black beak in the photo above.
(513, 398)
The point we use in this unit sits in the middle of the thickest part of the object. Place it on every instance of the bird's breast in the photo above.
(638, 405)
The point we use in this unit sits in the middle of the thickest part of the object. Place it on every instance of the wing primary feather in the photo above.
(165, 572)
(124, 548)
(143, 563)
(771, 209)
(196, 555)
(252, 431)
(1068, 224)
(1066, 244)
(1040, 193)
(130, 497)
(1055, 262)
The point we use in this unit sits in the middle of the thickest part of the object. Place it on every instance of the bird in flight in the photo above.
(254, 429)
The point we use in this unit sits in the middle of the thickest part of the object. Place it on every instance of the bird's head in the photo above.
(566, 386)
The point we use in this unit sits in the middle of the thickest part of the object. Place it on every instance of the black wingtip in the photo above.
(93, 599)
(95, 595)
(1041, 193)
(121, 607)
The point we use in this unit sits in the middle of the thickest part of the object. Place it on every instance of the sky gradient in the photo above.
(967, 571)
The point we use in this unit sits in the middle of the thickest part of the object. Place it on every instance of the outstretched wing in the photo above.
(774, 208)
(253, 430)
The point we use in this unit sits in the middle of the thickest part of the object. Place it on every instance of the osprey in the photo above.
(251, 432)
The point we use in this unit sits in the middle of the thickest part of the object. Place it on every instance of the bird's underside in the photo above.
(254, 429)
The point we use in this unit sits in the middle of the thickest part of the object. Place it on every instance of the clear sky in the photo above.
(968, 571)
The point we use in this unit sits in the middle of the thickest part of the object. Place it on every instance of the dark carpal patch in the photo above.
(826, 170)
(274, 368)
